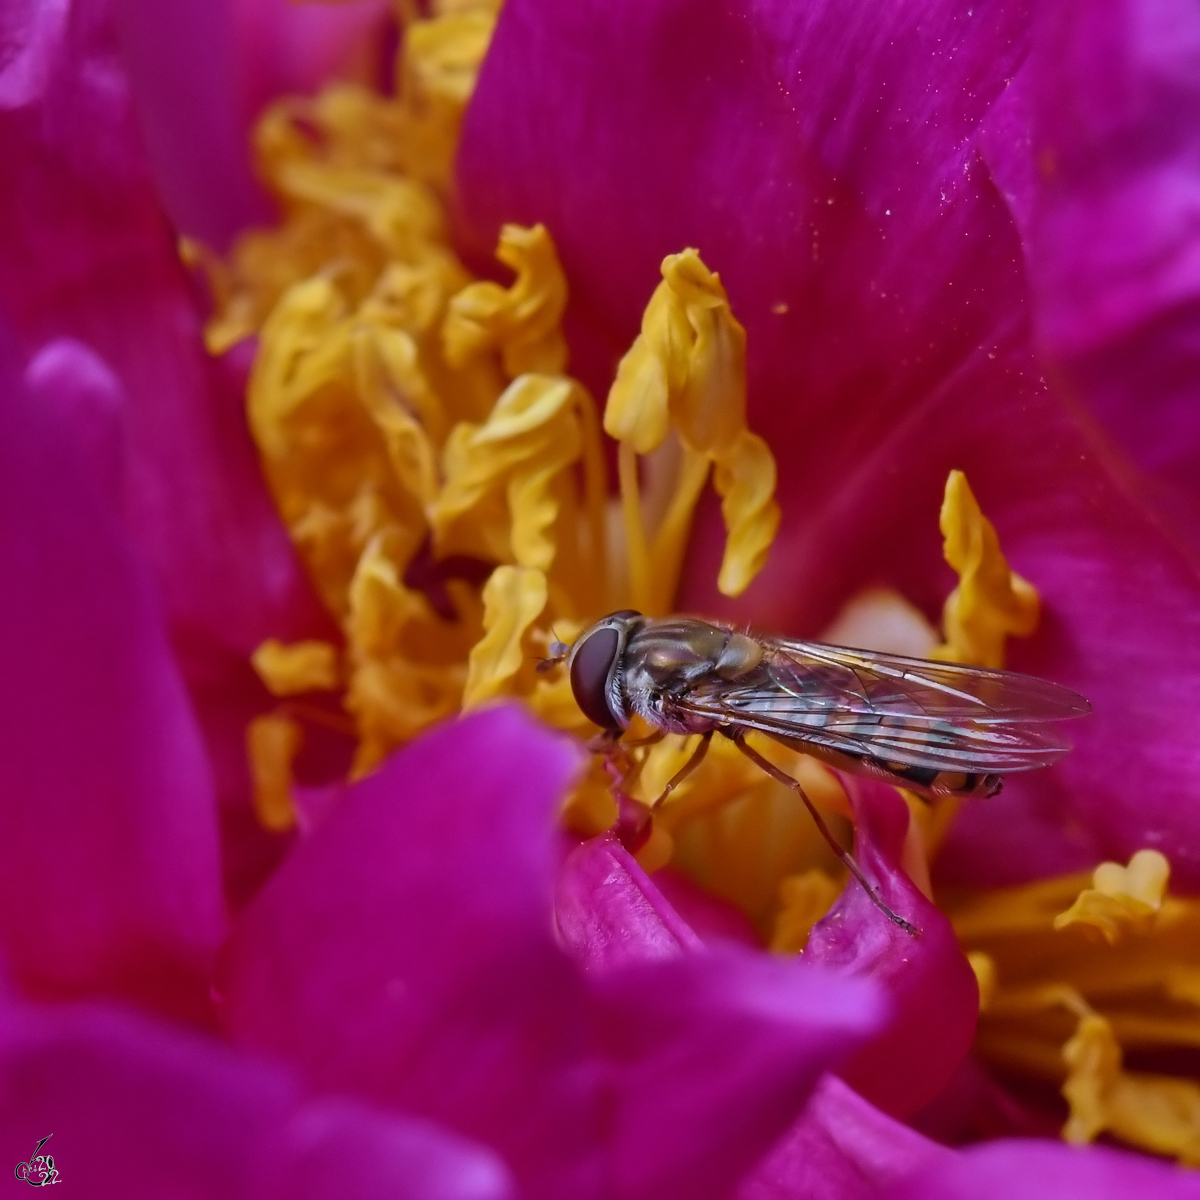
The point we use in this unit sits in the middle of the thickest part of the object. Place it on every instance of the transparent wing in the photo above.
(907, 711)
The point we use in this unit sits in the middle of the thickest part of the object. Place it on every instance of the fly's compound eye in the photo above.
(590, 667)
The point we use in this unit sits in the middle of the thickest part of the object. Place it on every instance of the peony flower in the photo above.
(513, 1010)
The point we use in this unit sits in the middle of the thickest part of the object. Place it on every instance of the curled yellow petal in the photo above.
(272, 743)
(1121, 899)
(510, 483)
(521, 322)
(288, 670)
(991, 601)
(513, 598)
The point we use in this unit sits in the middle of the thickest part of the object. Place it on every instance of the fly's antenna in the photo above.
(557, 653)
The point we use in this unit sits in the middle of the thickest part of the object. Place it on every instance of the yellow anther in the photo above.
(520, 322)
(984, 967)
(272, 743)
(288, 670)
(513, 599)
(687, 371)
(803, 900)
(991, 601)
(745, 481)
(408, 665)
(1121, 899)
(1160, 1113)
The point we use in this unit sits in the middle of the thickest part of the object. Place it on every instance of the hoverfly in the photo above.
(937, 728)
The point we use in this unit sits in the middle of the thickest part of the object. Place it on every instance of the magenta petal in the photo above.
(608, 911)
(86, 397)
(134, 1108)
(841, 1148)
(1041, 1170)
(91, 275)
(109, 877)
(932, 989)
(1105, 187)
(284, 48)
(712, 1056)
(181, 64)
(405, 949)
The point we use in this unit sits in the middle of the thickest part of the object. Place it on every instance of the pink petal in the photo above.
(1040, 1170)
(93, 287)
(405, 951)
(608, 911)
(180, 59)
(109, 878)
(201, 72)
(1105, 188)
(714, 1053)
(284, 48)
(135, 1108)
(840, 1149)
(932, 989)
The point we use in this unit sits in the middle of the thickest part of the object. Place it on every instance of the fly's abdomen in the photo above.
(968, 784)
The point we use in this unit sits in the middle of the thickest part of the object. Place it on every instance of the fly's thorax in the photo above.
(665, 659)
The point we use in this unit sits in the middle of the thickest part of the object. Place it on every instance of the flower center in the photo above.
(444, 481)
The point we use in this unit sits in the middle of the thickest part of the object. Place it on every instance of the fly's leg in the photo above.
(623, 767)
(684, 771)
(847, 861)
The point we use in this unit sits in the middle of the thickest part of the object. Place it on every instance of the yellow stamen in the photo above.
(288, 670)
(991, 602)
(803, 900)
(1065, 1005)
(687, 371)
(513, 599)
(1120, 898)
(521, 322)
(272, 743)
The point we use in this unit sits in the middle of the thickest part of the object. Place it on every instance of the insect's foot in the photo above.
(894, 917)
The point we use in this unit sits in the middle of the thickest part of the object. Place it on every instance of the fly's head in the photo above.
(594, 665)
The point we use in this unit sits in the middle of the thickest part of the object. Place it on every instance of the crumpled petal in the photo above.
(831, 174)
(933, 993)
(109, 878)
(422, 905)
(137, 1108)
(1040, 1170)
(842, 1148)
